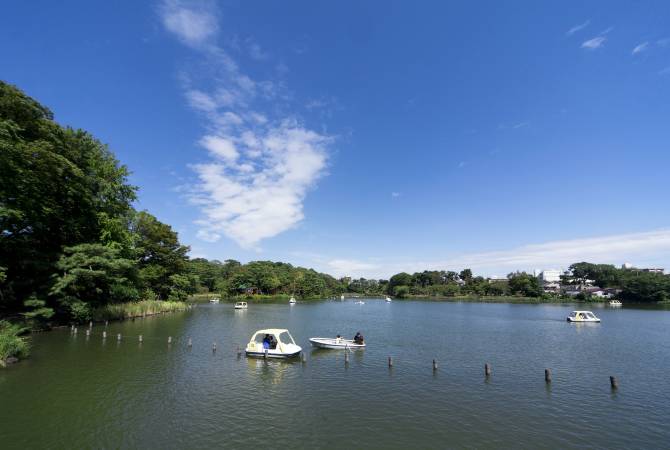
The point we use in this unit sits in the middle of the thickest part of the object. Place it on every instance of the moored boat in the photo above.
(582, 316)
(292, 301)
(241, 305)
(272, 343)
(335, 343)
(388, 299)
(214, 300)
(615, 303)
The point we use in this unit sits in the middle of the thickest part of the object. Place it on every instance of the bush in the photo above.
(11, 341)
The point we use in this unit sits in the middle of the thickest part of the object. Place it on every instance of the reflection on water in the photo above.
(86, 392)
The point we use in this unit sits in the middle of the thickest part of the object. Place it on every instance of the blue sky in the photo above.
(367, 138)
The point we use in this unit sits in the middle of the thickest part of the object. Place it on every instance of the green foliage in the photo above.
(12, 343)
(401, 291)
(526, 285)
(136, 309)
(38, 313)
(159, 253)
(92, 275)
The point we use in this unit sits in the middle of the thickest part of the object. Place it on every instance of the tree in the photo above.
(91, 275)
(55, 184)
(399, 279)
(160, 255)
(521, 283)
(465, 275)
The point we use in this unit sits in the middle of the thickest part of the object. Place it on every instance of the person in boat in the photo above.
(358, 339)
(266, 342)
(338, 338)
(273, 342)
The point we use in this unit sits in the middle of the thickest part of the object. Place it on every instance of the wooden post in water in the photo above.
(614, 383)
(239, 352)
(346, 355)
(487, 369)
(265, 356)
(118, 337)
(190, 343)
(75, 330)
(213, 347)
(303, 358)
(90, 325)
(434, 365)
(390, 362)
(140, 338)
(88, 333)
(169, 340)
(104, 335)
(547, 375)
(106, 323)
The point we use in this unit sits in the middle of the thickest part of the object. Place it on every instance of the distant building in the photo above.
(629, 266)
(497, 279)
(550, 280)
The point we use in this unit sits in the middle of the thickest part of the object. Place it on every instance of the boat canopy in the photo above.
(281, 334)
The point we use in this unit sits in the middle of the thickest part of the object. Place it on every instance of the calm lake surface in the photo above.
(85, 393)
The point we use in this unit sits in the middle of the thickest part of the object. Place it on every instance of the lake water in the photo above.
(85, 393)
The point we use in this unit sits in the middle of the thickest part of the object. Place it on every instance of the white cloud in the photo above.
(595, 43)
(395, 194)
(261, 166)
(640, 48)
(194, 24)
(521, 125)
(256, 52)
(643, 248)
(220, 147)
(577, 28)
(350, 267)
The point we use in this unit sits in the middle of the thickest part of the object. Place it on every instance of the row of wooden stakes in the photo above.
(614, 382)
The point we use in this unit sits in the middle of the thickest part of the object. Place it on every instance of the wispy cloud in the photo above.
(395, 194)
(194, 25)
(521, 125)
(640, 48)
(255, 50)
(260, 166)
(643, 248)
(577, 28)
(595, 43)
(351, 267)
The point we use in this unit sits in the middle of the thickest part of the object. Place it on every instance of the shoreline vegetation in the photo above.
(130, 310)
(14, 345)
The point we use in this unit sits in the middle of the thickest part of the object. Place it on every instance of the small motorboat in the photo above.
(272, 343)
(342, 297)
(241, 305)
(292, 301)
(214, 300)
(335, 343)
(388, 299)
(616, 303)
(582, 316)
(360, 302)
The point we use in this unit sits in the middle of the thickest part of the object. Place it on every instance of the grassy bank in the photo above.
(119, 311)
(12, 343)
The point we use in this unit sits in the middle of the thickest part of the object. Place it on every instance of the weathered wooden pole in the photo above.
(140, 338)
(303, 358)
(75, 330)
(104, 335)
(434, 365)
(169, 340)
(90, 324)
(614, 383)
(265, 356)
(106, 323)
(88, 333)
(547, 375)
(190, 342)
(118, 337)
(346, 355)
(390, 362)
(487, 369)
(213, 347)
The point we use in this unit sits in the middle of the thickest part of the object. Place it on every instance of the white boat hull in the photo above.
(583, 320)
(272, 354)
(334, 344)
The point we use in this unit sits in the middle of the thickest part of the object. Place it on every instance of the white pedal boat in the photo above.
(388, 299)
(241, 305)
(292, 301)
(285, 346)
(214, 300)
(334, 343)
(582, 316)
